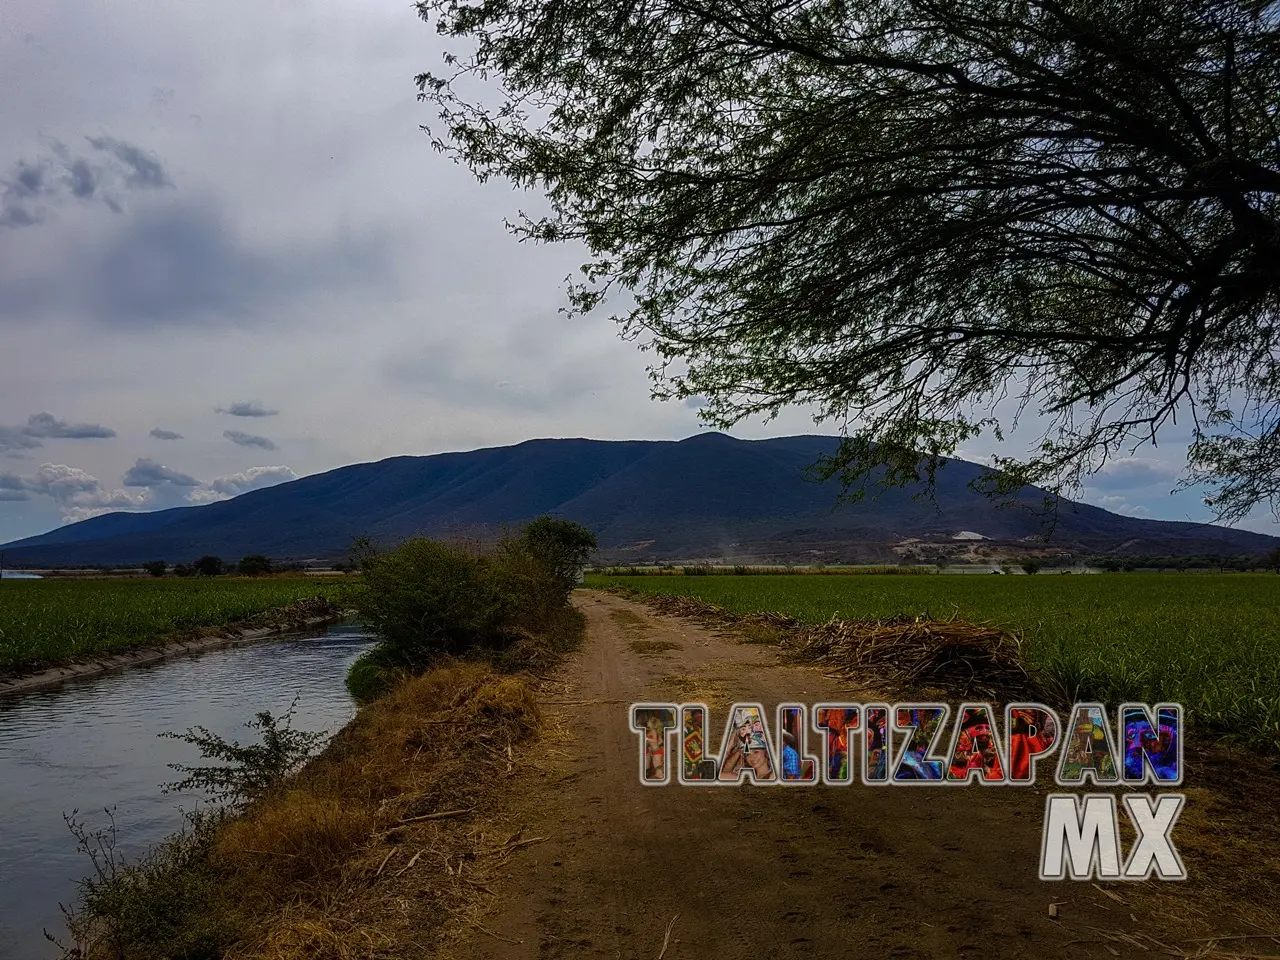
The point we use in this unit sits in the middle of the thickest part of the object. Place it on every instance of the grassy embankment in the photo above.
(390, 834)
(47, 621)
(1208, 641)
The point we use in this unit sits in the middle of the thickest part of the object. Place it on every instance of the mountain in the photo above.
(710, 496)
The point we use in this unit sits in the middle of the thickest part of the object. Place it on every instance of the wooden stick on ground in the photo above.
(666, 940)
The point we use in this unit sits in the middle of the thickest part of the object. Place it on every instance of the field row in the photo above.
(48, 620)
(1210, 642)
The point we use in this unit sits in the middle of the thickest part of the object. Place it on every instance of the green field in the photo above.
(48, 620)
(1208, 641)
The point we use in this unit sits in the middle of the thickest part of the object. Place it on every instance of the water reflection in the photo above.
(92, 743)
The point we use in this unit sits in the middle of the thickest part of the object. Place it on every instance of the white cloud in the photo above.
(79, 494)
(232, 485)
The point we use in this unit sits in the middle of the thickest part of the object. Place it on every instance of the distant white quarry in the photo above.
(968, 535)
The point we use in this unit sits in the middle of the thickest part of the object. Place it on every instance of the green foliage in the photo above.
(156, 568)
(426, 599)
(372, 675)
(1208, 641)
(155, 907)
(561, 547)
(246, 772)
(905, 212)
(254, 565)
(52, 619)
(209, 566)
(1030, 566)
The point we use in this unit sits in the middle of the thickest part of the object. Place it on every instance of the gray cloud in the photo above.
(13, 439)
(1127, 473)
(248, 439)
(148, 473)
(46, 425)
(185, 263)
(519, 369)
(251, 408)
(35, 186)
(159, 434)
(143, 170)
(13, 496)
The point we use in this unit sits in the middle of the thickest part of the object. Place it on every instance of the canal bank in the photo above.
(92, 743)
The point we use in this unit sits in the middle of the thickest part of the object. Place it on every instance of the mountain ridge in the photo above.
(709, 496)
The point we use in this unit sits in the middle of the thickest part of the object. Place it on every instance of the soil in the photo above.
(628, 872)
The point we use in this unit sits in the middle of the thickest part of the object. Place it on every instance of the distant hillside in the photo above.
(709, 496)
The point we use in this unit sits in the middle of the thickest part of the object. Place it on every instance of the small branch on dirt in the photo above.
(666, 940)
(1114, 896)
(513, 843)
(385, 860)
(443, 815)
(496, 936)
(409, 864)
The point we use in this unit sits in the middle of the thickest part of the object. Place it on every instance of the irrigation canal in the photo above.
(93, 743)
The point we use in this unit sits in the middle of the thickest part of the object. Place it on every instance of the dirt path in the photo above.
(764, 872)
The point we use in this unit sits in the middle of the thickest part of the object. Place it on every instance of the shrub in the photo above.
(247, 771)
(209, 566)
(156, 568)
(254, 565)
(561, 547)
(372, 675)
(425, 598)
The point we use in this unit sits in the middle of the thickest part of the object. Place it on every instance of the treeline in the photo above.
(1223, 564)
(254, 565)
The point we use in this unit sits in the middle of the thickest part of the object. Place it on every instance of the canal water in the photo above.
(94, 743)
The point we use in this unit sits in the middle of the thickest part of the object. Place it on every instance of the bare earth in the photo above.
(764, 872)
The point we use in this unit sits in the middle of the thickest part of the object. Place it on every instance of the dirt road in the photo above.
(759, 872)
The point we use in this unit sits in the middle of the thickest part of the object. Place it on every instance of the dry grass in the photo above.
(629, 621)
(694, 688)
(653, 648)
(964, 659)
(381, 841)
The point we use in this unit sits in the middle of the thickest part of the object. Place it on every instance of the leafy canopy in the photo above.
(909, 211)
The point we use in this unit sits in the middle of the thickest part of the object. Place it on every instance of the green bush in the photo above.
(372, 675)
(426, 599)
(560, 547)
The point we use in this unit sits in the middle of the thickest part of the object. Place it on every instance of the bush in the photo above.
(254, 565)
(156, 568)
(561, 547)
(208, 566)
(425, 598)
(372, 675)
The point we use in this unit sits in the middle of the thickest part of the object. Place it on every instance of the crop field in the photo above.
(1208, 641)
(48, 620)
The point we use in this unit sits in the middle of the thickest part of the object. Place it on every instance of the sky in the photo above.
(229, 257)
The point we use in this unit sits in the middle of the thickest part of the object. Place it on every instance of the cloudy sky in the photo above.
(229, 257)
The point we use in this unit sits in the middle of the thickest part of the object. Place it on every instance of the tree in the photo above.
(1272, 559)
(562, 546)
(254, 565)
(208, 566)
(907, 212)
(156, 568)
(1030, 566)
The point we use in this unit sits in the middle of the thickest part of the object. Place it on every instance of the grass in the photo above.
(1208, 641)
(44, 621)
(349, 853)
